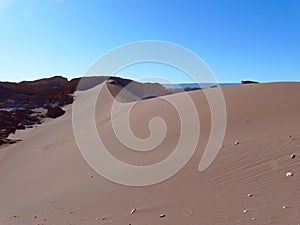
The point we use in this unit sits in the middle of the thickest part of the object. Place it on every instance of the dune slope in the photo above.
(45, 180)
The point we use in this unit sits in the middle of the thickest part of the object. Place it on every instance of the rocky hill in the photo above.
(27, 103)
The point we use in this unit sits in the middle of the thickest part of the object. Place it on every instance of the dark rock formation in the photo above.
(21, 103)
(13, 120)
(54, 112)
(36, 94)
(248, 82)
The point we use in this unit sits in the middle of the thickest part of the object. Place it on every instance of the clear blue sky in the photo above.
(238, 39)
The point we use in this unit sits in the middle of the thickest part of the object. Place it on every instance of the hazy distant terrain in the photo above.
(195, 85)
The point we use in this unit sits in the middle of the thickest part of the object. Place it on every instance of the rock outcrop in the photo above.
(16, 119)
(54, 112)
(27, 103)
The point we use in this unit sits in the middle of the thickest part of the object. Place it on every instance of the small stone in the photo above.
(284, 207)
(289, 174)
(293, 156)
(162, 215)
(103, 218)
(133, 211)
(245, 211)
(252, 218)
(34, 217)
(236, 143)
(249, 195)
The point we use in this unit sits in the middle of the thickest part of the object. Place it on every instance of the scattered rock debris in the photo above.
(289, 174)
(133, 211)
(162, 215)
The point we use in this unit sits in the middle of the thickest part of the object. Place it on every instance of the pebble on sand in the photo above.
(236, 143)
(245, 211)
(289, 174)
(133, 211)
(249, 195)
(293, 156)
(162, 215)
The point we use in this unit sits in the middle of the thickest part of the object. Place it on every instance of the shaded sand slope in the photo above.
(44, 179)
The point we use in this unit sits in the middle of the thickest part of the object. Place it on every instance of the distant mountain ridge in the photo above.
(197, 85)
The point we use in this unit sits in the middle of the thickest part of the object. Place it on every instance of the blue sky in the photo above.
(250, 39)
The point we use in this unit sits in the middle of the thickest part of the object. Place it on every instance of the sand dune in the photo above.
(45, 180)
